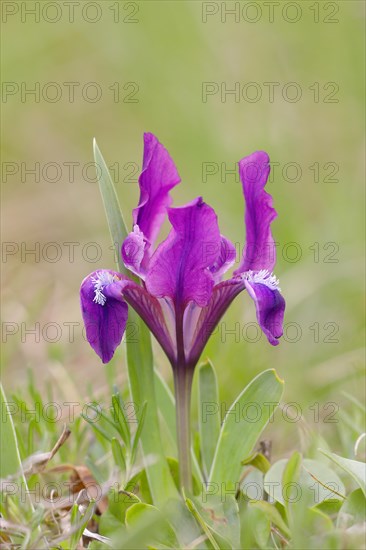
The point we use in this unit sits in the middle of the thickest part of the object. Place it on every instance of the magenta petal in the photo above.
(260, 250)
(151, 312)
(133, 248)
(225, 260)
(179, 269)
(270, 306)
(159, 175)
(105, 322)
(222, 296)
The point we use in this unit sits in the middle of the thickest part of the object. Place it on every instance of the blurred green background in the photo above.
(161, 54)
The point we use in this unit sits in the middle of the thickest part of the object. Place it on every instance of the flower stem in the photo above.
(183, 376)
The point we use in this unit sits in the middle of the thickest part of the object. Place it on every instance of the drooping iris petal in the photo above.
(133, 248)
(260, 251)
(225, 260)
(151, 312)
(270, 306)
(159, 175)
(104, 312)
(222, 296)
(179, 269)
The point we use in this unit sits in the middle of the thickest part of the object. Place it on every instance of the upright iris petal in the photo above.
(259, 255)
(260, 250)
(179, 269)
(159, 175)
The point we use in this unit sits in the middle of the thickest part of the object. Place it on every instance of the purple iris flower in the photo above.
(181, 296)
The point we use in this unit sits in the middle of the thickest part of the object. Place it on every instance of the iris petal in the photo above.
(104, 296)
(159, 175)
(133, 249)
(151, 312)
(104, 312)
(225, 260)
(179, 269)
(270, 306)
(222, 296)
(260, 250)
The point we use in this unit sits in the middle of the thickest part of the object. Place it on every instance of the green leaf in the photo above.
(141, 380)
(10, 463)
(220, 514)
(205, 528)
(107, 431)
(137, 436)
(353, 510)
(315, 483)
(330, 507)
(291, 476)
(209, 413)
(273, 515)
(255, 528)
(251, 484)
(116, 224)
(109, 524)
(354, 468)
(139, 484)
(242, 426)
(79, 522)
(120, 419)
(139, 514)
(146, 527)
(259, 461)
(114, 517)
(118, 454)
(120, 501)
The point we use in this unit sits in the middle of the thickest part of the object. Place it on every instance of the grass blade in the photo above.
(10, 462)
(137, 436)
(120, 419)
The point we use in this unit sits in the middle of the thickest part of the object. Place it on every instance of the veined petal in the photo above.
(260, 250)
(222, 296)
(133, 249)
(104, 297)
(104, 312)
(225, 260)
(179, 268)
(269, 303)
(191, 316)
(159, 175)
(151, 312)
